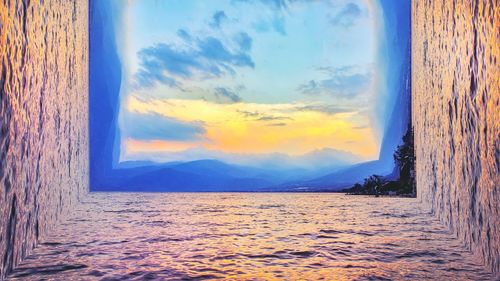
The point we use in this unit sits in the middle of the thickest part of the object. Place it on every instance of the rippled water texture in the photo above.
(43, 118)
(250, 236)
(43, 169)
(456, 117)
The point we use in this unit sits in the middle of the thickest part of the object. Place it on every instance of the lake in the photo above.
(250, 236)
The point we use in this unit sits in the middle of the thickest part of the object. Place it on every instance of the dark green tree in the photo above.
(373, 184)
(405, 161)
(404, 158)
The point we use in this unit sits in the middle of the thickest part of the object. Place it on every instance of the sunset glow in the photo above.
(248, 78)
(258, 128)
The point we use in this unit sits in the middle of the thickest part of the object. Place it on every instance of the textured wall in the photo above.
(43, 118)
(456, 117)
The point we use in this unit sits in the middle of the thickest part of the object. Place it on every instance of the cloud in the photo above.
(277, 124)
(276, 24)
(183, 34)
(236, 128)
(273, 118)
(278, 4)
(248, 113)
(153, 126)
(347, 16)
(212, 50)
(217, 19)
(161, 63)
(344, 82)
(244, 41)
(275, 4)
(207, 57)
(273, 15)
(360, 127)
(327, 109)
(288, 164)
(225, 95)
(310, 88)
(260, 116)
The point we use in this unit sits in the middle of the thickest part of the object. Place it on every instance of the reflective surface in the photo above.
(456, 117)
(43, 118)
(250, 236)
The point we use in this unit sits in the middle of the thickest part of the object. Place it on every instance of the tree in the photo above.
(373, 184)
(357, 187)
(404, 156)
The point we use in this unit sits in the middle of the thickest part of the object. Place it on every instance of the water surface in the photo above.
(456, 117)
(250, 236)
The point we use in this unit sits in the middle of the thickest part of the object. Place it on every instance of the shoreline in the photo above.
(383, 195)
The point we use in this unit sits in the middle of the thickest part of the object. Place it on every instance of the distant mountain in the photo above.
(341, 179)
(399, 87)
(200, 175)
(205, 175)
(135, 164)
(320, 169)
(329, 158)
(321, 159)
(213, 168)
(216, 175)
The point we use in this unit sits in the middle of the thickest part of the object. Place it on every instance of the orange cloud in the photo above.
(260, 128)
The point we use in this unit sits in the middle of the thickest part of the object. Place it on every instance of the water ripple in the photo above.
(209, 236)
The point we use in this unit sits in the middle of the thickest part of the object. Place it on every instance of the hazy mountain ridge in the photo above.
(201, 175)
(397, 35)
(320, 169)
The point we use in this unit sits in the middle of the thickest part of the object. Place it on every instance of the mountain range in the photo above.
(328, 170)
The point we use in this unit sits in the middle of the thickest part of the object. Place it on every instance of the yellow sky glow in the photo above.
(259, 128)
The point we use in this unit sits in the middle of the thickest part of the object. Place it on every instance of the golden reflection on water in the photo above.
(252, 236)
(456, 117)
(43, 118)
(249, 236)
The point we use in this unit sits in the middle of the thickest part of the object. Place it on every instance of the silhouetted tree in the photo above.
(373, 184)
(405, 161)
(404, 158)
(357, 188)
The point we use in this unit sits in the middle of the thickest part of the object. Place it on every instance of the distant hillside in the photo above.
(216, 175)
(341, 179)
(204, 175)
(329, 169)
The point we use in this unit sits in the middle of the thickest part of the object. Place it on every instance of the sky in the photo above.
(242, 81)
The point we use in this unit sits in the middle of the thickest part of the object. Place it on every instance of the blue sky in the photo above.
(262, 64)
(268, 45)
